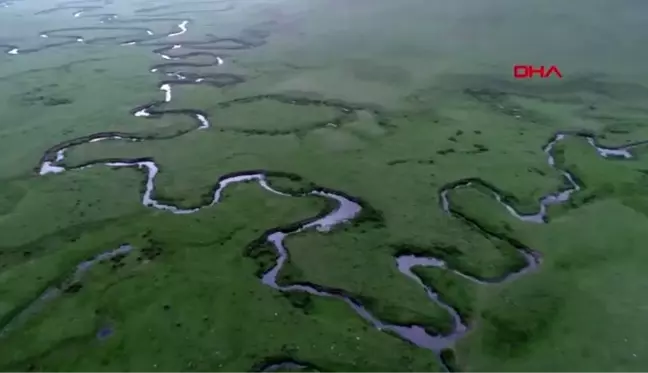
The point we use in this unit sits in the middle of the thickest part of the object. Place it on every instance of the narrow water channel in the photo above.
(177, 68)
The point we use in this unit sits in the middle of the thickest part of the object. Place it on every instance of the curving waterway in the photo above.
(53, 292)
(175, 68)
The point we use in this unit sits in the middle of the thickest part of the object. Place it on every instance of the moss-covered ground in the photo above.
(386, 101)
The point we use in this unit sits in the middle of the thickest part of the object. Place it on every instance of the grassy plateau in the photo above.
(406, 107)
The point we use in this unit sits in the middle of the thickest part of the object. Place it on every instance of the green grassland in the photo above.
(385, 101)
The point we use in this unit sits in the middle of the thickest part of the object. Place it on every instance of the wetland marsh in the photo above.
(322, 185)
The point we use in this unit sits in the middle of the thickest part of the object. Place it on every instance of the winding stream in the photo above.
(53, 292)
(347, 208)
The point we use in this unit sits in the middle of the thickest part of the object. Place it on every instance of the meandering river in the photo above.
(178, 70)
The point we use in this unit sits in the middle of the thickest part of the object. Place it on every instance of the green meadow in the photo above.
(385, 101)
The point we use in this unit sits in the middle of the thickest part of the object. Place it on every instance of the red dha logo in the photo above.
(529, 71)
